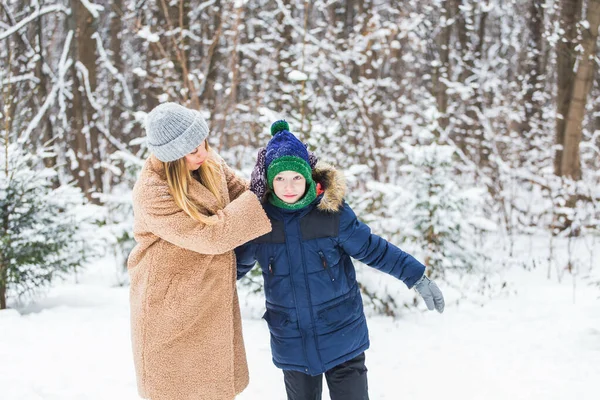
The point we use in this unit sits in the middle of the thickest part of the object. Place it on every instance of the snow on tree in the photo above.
(359, 81)
(444, 217)
(40, 226)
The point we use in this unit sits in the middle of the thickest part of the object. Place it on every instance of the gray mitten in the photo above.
(431, 293)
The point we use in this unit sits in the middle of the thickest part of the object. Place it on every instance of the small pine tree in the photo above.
(39, 224)
(442, 213)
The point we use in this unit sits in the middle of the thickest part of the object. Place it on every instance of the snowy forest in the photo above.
(468, 133)
(459, 124)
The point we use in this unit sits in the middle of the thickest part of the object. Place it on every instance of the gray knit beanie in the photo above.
(174, 131)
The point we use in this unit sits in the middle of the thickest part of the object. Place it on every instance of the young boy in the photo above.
(314, 306)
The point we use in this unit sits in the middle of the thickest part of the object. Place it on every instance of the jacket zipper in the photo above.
(310, 306)
(271, 273)
(271, 266)
(325, 266)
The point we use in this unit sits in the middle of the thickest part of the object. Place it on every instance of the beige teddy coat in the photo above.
(185, 318)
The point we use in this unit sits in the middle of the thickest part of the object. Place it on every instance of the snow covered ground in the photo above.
(541, 342)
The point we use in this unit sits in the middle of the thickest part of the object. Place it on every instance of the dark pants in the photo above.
(347, 381)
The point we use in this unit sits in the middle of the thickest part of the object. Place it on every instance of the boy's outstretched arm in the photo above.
(245, 259)
(356, 239)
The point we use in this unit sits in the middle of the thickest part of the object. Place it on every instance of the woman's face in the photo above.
(195, 159)
(289, 186)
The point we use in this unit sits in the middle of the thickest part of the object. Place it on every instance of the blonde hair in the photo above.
(179, 177)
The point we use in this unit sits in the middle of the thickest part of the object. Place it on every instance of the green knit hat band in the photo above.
(289, 163)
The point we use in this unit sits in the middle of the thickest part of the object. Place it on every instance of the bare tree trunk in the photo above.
(565, 49)
(483, 144)
(84, 133)
(350, 15)
(462, 130)
(442, 71)
(284, 52)
(46, 124)
(40, 93)
(533, 62)
(582, 82)
(3, 262)
(8, 109)
(176, 17)
(351, 19)
(208, 94)
(372, 121)
(115, 29)
(234, 69)
(3, 276)
(471, 44)
(463, 27)
(303, 111)
(8, 102)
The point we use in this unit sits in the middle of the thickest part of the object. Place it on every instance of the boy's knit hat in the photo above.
(174, 131)
(286, 153)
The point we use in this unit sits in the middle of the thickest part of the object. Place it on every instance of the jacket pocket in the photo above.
(282, 323)
(341, 314)
(326, 265)
(276, 319)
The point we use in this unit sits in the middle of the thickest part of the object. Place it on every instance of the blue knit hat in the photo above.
(286, 153)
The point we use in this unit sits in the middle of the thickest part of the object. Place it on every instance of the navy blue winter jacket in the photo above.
(314, 307)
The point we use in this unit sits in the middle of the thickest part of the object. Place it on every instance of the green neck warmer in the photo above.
(309, 196)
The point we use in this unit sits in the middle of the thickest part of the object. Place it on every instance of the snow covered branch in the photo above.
(36, 14)
(21, 78)
(88, 89)
(92, 8)
(111, 68)
(63, 66)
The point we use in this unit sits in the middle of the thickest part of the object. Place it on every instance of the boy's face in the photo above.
(289, 186)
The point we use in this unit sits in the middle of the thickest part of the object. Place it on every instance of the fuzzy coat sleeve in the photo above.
(235, 185)
(242, 220)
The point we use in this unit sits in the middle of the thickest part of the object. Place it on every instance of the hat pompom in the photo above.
(279, 126)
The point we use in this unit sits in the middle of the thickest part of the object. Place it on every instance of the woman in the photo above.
(190, 212)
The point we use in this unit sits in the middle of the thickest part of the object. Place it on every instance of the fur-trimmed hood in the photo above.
(333, 184)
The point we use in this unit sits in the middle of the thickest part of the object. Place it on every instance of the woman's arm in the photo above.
(235, 185)
(241, 221)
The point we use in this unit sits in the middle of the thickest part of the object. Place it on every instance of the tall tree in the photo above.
(83, 110)
(577, 98)
(566, 55)
(442, 63)
(534, 68)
